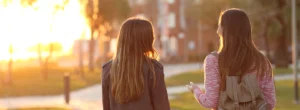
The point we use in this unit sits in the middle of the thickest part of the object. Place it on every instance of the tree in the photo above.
(281, 51)
(272, 16)
(206, 14)
(8, 79)
(52, 45)
(44, 64)
(269, 19)
(80, 59)
(51, 48)
(100, 12)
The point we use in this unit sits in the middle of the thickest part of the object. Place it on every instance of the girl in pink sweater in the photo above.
(237, 55)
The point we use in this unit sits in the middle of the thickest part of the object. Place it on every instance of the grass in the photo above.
(40, 109)
(185, 78)
(278, 71)
(198, 77)
(29, 82)
(284, 92)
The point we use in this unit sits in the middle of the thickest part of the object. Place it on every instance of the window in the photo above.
(170, 1)
(181, 35)
(197, 1)
(173, 45)
(140, 2)
(113, 45)
(172, 20)
(141, 15)
(191, 45)
(130, 2)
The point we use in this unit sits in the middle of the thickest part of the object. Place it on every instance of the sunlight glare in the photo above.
(26, 26)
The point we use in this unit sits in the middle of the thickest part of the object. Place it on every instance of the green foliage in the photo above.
(108, 11)
(274, 29)
(206, 11)
(269, 18)
(113, 9)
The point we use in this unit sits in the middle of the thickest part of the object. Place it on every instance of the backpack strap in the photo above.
(251, 91)
(232, 83)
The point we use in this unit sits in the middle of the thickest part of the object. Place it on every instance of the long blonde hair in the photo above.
(134, 48)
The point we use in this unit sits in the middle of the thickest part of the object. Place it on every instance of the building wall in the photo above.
(185, 39)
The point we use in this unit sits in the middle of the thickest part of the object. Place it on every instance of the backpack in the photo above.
(243, 95)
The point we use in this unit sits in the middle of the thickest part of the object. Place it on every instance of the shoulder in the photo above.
(213, 56)
(107, 64)
(158, 68)
(157, 64)
(106, 67)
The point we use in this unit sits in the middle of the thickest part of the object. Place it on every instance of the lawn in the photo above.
(29, 82)
(185, 78)
(284, 91)
(278, 71)
(198, 77)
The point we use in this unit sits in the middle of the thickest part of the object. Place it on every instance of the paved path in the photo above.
(84, 99)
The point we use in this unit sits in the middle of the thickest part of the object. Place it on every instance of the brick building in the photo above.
(178, 38)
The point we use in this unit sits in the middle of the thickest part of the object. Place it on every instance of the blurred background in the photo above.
(52, 50)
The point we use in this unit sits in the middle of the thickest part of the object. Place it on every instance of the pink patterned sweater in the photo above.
(210, 98)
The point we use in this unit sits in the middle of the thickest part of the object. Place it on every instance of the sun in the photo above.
(26, 26)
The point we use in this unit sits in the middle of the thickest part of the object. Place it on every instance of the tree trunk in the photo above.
(46, 63)
(10, 64)
(39, 52)
(281, 52)
(91, 52)
(9, 72)
(80, 59)
(265, 36)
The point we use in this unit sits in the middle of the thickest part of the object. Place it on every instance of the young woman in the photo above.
(134, 80)
(237, 56)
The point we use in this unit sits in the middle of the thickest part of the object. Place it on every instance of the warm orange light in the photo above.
(26, 26)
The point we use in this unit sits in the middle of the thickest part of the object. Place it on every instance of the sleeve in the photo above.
(209, 99)
(105, 92)
(159, 93)
(268, 88)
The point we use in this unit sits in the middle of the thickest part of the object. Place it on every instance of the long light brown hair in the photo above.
(238, 54)
(134, 48)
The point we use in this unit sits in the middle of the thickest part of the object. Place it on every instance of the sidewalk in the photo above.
(84, 99)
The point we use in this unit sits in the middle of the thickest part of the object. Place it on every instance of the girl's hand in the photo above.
(192, 87)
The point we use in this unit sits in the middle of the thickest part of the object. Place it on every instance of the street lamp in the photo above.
(294, 45)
